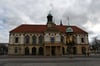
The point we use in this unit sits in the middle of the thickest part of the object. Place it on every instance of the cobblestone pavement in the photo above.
(57, 61)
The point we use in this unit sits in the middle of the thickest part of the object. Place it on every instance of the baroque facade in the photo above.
(48, 40)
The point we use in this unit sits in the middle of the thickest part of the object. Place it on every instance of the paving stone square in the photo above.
(49, 61)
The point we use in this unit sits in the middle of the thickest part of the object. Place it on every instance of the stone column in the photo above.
(78, 39)
(30, 39)
(11, 39)
(37, 40)
(44, 50)
(37, 50)
(86, 39)
(22, 50)
(66, 50)
(60, 50)
(30, 50)
(64, 40)
(79, 50)
(22, 39)
(50, 50)
(56, 51)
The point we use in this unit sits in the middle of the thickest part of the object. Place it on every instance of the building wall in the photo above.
(12, 45)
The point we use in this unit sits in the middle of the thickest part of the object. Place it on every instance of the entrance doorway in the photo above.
(26, 51)
(68, 50)
(83, 50)
(63, 50)
(74, 50)
(53, 50)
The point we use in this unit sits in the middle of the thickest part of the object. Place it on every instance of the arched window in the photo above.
(40, 39)
(34, 39)
(62, 39)
(27, 51)
(16, 39)
(41, 51)
(33, 51)
(52, 39)
(27, 39)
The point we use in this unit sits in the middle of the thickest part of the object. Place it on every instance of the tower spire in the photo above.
(51, 7)
(61, 23)
(50, 17)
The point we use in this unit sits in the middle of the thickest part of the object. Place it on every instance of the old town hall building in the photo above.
(48, 40)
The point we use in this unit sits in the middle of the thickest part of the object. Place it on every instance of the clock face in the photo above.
(69, 29)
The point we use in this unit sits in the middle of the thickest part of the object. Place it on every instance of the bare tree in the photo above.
(95, 44)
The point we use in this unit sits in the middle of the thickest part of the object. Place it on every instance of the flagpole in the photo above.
(68, 21)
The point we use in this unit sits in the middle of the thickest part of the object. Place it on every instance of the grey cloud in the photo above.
(95, 6)
(75, 19)
(16, 12)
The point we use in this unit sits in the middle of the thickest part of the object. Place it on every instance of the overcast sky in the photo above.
(83, 13)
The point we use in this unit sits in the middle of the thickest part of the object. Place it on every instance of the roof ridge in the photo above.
(32, 24)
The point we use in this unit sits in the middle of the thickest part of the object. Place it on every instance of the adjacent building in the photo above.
(3, 48)
(48, 40)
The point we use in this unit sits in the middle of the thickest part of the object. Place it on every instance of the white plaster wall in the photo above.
(46, 38)
(57, 38)
(21, 39)
(86, 39)
(78, 39)
(82, 36)
(16, 35)
(11, 39)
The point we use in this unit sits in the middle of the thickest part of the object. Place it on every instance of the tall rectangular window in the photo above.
(27, 39)
(82, 40)
(16, 39)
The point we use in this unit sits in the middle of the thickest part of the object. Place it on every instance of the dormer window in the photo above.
(69, 29)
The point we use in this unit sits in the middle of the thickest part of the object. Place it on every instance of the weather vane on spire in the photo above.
(51, 7)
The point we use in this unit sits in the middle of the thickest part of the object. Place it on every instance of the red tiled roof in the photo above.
(41, 28)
